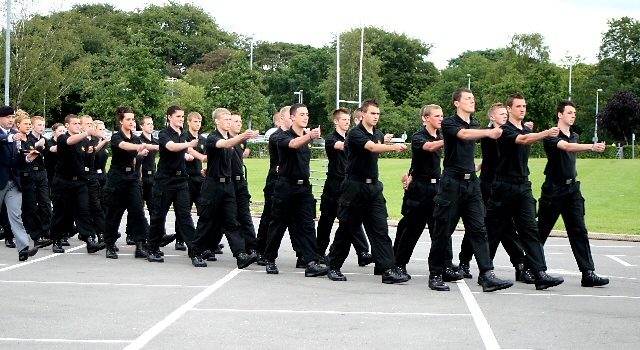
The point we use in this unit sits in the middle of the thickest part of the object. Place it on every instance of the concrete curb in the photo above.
(554, 233)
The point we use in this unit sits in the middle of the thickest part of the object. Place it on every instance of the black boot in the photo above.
(100, 236)
(244, 260)
(402, 269)
(180, 245)
(313, 269)
(92, 245)
(590, 279)
(166, 239)
(519, 268)
(491, 283)
(42, 242)
(527, 276)
(272, 268)
(391, 276)
(451, 276)
(141, 251)
(65, 242)
(364, 258)
(544, 281)
(436, 283)
(130, 240)
(9, 243)
(465, 270)
(111, 252)
(57, 247)
(336, 275)
(155, 257)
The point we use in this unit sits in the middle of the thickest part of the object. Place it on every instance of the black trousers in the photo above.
(514, 202)
(510, 241)
(195, 185)
(168, 190)
(362, 204)
(458, 198)
(243, 201)
(95, 202)
(70, 203)
(417, 212)
(36, 203)
(566, 200)
(147, 198)
(265, 218)
(217, 210)
(295, 208)
(5, 225)
(328, 214)
(123, 192)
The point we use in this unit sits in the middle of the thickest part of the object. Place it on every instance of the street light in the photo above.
(299, 93)
(171, 80)
(469, 83)
(595, 129)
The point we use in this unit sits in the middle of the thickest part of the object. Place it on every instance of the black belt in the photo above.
(173, 172)
(72, 178)
(460, 176)
(294, 181)
(220, 179)
(565, 182)
(126, 169)
(24, 174)
(512, 179)
(430, 180)
(147, 172)
(237, 178)
(335, 177)
(38, 168)
(366, 180)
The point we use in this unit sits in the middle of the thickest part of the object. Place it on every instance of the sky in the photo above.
(570, 27)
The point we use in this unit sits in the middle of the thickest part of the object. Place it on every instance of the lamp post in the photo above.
(171, 80)
(469, 83)
(299, 93)
(595, 129)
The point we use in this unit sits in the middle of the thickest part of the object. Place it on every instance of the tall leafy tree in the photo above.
(621, 116)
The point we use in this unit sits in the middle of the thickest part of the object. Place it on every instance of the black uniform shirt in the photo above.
(337, 158)
(459, 154)
(149, 161)
(294, 162)
(360, 161)
(489, 148)
(194, 167)
(218, 159)
(273, 151)
(560, 164)
(90, 158)
(101, 159)
(237, 162)
(425, 163)
(51, 160)
(71, 157)
(30, 144)
(513, 159)
(121, 158)
(171, 162)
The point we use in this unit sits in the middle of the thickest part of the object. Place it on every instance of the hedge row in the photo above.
(260, 150)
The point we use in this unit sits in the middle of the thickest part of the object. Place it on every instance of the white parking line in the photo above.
(175, 315)
(28, 262)
(65, 340)
(334, 312)
(488, 338)
(615, 258)
(106, 284)
(569, 295)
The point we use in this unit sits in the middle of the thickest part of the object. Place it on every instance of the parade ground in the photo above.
(84, 301)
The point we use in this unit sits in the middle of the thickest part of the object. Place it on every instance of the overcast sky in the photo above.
(571, 27)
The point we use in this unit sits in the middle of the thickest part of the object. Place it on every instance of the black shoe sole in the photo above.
(545, 286)
(271, 272)
(395, 281)
(316, 273)
(440, 289)
(589, 285)
(497, 287)
(115, 256)
(242, 265)
(337, 278)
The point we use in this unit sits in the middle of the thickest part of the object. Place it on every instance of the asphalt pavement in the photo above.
(85, 301)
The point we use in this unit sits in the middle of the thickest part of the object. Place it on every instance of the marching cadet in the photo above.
(93, 181)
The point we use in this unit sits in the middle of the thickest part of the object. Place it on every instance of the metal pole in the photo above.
(251, 55)
(469, 83)
(301, 98)
(44, 106)
(570, 76)
(360, 76)
(7, 56)
(338, 71)
(251, 69)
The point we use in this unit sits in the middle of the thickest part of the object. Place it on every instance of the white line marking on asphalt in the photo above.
(334, 312)
(39, 259)
(488, 338)
(569, 295)
(615, 258)
(67, 340)
(176, 314)
(611, 246)
(106, 284)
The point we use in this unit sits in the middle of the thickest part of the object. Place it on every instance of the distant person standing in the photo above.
(561, 193)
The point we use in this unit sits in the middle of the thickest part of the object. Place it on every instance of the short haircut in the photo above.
(219, 112)
(55, 126)
(277, 116)
(357, 114)
(95, 124)
(494, 107)
(369, 103)
(295, 108)
(68, 118)
(194, 115)
(341, 110)
(21, 117)
(121, 110)
(284, 111)
(235, 113)
(563, 104)
(84, 117)
(512, 97)
(174, 108)
(37, 117)
(457, 95)
(144, 119)
(426, 110)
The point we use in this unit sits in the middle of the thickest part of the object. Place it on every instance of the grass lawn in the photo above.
(610, 187)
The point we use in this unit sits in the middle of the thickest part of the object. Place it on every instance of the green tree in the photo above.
(621, 117)
(621, 42)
